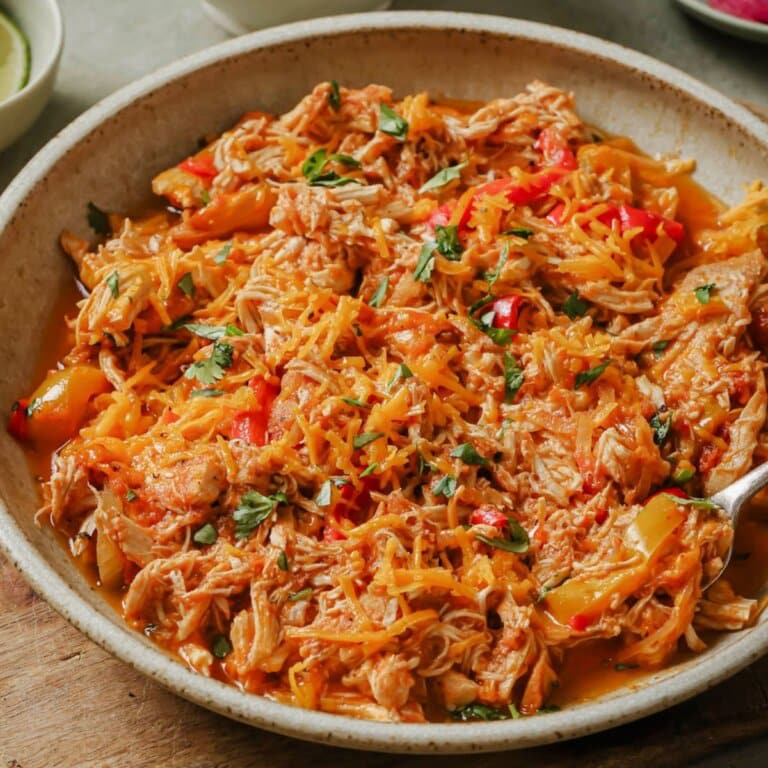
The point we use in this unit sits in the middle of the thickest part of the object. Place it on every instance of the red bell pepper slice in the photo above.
(488, 515)
(17, 424)
(681, 494)
(579, 622)
(555, 150)
(200, 165)
(252, 425)
(506, 311)
(631, 218)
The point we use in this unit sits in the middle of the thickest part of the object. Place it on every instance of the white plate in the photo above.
(733, 25)
(109, 154)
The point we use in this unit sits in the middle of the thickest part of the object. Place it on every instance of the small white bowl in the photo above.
(241, 16)
(40, 21)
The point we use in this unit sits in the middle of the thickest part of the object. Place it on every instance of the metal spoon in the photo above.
(731, 501)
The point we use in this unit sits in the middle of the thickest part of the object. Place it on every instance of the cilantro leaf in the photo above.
(683, 476)
(445, 486)
(467, 453)
(692, 502)
(370, 469)
(211, 370)
(574, 307)
(364, 438)
(222, 255)
(254, 508)
(391, 123)
(312, 170)
(704, 292)
(131, 495)
(441, 178)
(492, 277)
(425, 263)
(314, 164)
(347, 160)
(358, 403)
(519, 232)
(448, 243)
(207, 393)
(592, 375)
(518, 541)
(379, 293)
(282, 561)
(113, 283)
(660, 428)
(513, 377)
(501, 336)
(221, 646)
(482, 712)
(302, 594)
(186, 285)
(98, 220)
(213, 332)
(206, 535)
(334, 96)
(659, 346)
(402, 373)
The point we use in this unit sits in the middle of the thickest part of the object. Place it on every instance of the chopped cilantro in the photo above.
(704, 293)
(518, 541)
(222, 255)
(370, 469)
(448, 243)
(213, 332)
(379, 293)
(334, 96)
(324, 495)
(592, 375)
(402, 373)
(445, 486)
(131, 495)
(254, 508)
(425, 263)
(361, 440)
(391, 123)
(467, 453)
(282, 561)
(441, 178)
(659, 346)
(210, 370)
(574, 307)
(206, 535)
(221, 646)
(186, 285)
(302, 594)
(113, 283)
(357, 403)
(492, 277)
(660, 427)
(513, 377)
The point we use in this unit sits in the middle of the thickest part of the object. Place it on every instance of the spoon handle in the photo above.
(733, 497)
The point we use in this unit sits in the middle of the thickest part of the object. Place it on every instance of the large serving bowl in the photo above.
(109, 155)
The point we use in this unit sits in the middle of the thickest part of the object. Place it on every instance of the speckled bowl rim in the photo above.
(318, 726)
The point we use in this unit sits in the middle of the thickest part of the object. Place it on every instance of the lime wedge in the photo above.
(14, 58)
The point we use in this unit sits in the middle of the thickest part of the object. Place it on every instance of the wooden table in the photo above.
(65, 703)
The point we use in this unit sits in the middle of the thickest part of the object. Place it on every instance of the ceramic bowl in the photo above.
(40, 20)
(109, 154)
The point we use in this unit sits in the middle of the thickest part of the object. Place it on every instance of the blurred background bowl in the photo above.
(40, 21)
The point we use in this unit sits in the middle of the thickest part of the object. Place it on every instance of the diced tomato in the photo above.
(333, 534)
(507, 311)
(555, 150)
(200, 165)
(601, 516)
(440, 216)
(488, 515)
(579, 622)
(17, 424)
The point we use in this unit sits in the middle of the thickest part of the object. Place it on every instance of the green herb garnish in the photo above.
(113, 283)
(574, 307)
(592, 375)
(221, 646)
(513, 377)
(210, 370)
(467, 453)
(683, 476)
(692, 502)
(357, 403)
(186, 285)
(282, 561)
(484, 322)
(425, 263)
(370, 469)
(519, 232)
(361, 440)
(441, 178)
(660, 428)
(492, 277)
(402, 373)
(222, 255)
(334, 96)
(518, 541)
(379, 293)
(131, 495)
(302, 594)
(483, 712)
(313, 170)
(207, 393)
(213, 332)
(659, 346)
(448, 243)
(391, 123)
(445, 486)
(704, 293)
(206, 535)
(324, 495)
(254, 508)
